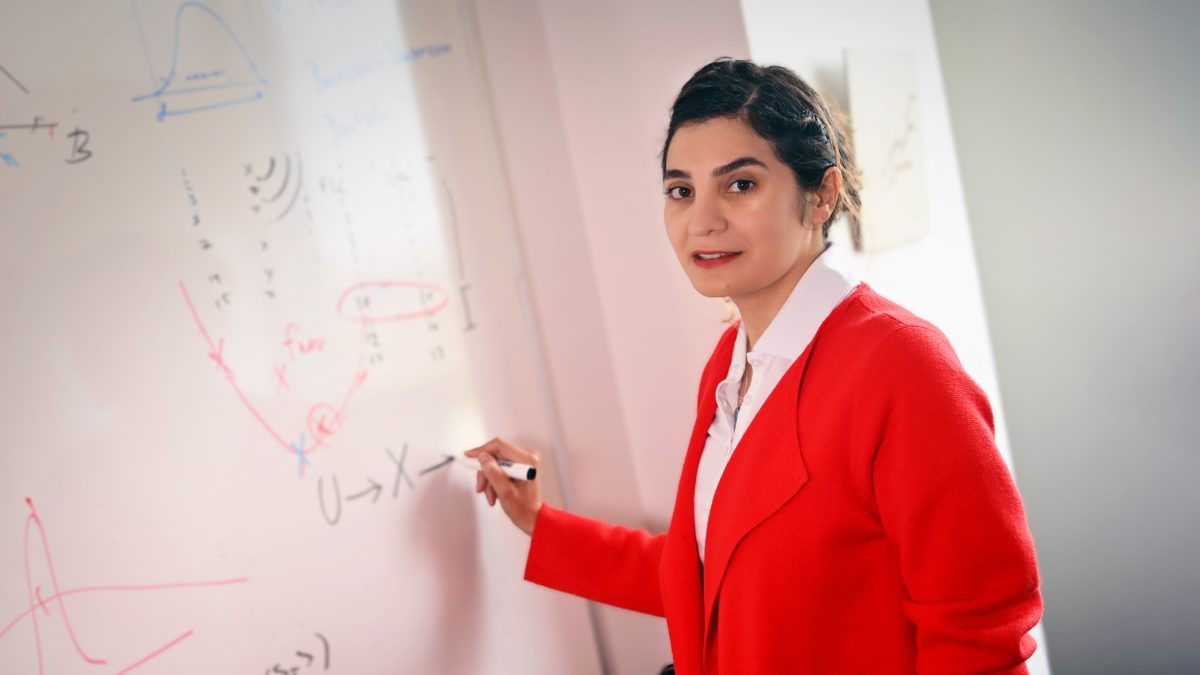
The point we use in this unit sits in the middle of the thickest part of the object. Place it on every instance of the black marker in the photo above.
(514, 470)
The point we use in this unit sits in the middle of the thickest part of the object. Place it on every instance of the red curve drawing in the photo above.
(39, 603)
(323, 419)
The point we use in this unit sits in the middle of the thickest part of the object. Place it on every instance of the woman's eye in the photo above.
(679, 192)
(742, 185)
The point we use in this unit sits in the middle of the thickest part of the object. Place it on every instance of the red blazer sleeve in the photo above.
(606, 563)
(950, 510)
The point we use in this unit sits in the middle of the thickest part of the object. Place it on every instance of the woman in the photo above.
(842, 506)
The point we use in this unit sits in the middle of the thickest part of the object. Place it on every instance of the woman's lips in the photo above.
(708, 259)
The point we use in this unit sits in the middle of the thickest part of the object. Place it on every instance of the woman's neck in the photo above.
(759, 309)
(757, 313)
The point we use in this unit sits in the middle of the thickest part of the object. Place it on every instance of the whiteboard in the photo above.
(259, 278)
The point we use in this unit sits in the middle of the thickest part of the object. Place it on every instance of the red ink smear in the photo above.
(419, 286)
(36, 601)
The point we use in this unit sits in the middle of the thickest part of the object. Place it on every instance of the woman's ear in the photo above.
(825, 197)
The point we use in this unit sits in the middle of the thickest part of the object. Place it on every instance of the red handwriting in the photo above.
(294, 346)
(39, 603)
(320, 426)
(281, 376)
(323, 420)
(292, 343)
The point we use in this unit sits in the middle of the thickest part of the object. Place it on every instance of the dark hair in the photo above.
(803, 131)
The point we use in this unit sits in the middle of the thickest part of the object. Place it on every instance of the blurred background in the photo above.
(1049, 231)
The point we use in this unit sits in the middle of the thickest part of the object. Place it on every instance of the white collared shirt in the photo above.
(822, 288)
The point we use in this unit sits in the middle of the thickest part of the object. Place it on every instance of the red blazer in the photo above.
(865, 524)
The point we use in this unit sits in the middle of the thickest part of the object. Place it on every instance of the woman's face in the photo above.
(734, 213)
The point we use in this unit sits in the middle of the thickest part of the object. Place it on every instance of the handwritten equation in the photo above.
(324, 419)
(79, 138)
(333, 513)
(333, 501)
(78, 151)
(327, 78)
(317, 658)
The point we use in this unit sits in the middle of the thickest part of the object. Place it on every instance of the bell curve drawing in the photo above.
(207, 65)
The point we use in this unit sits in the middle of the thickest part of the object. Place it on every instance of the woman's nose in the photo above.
(707, 217)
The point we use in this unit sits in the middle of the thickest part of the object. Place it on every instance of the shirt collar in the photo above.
(824, 285)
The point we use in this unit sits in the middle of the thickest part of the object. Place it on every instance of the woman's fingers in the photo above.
(499, 482)
(520, 500)
(498, 447)
(489, 473)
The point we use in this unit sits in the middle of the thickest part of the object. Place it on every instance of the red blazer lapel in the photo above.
(754, 485)
(766, 470)
(680, 567)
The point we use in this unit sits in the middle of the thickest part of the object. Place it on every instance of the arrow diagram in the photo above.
(435, 467)
(375, 487)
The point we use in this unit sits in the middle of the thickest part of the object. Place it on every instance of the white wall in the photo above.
(935, 277)
(1076, 127)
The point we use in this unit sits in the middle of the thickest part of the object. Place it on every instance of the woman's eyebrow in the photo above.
(720, 170)
(737, 164)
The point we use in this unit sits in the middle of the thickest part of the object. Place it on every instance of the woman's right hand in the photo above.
(520, 499)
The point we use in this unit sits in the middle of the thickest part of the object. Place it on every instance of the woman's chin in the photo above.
(711, 290)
